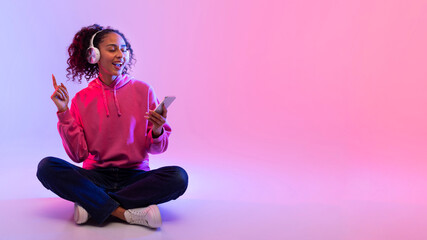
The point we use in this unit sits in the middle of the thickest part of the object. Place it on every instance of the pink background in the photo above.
(277, 101)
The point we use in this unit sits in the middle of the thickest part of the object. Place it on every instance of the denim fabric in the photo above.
(100, 191)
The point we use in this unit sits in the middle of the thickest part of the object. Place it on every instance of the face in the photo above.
(113, 55)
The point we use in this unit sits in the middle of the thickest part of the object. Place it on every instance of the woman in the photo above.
(110, 127)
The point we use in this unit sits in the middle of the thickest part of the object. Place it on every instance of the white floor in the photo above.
(51, 218)
(227, 203)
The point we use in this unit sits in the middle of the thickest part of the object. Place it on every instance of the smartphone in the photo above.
(167, 101)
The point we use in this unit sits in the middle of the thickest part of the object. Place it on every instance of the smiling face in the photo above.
(114, 57)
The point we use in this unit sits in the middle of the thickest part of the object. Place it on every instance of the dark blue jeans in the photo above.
(101, 191)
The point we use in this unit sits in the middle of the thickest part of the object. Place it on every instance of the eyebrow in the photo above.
(115, 45)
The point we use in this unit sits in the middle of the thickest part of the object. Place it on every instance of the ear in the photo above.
(127, 56)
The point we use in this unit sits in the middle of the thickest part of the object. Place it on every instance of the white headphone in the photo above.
(93, 53)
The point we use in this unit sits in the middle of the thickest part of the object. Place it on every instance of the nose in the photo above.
(120, 54)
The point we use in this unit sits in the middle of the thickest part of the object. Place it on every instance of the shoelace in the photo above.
(140, 215)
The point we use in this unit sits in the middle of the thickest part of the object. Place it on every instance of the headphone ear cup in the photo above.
(93, 55)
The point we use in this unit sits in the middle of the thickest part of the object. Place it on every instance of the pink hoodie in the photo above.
(105, 126)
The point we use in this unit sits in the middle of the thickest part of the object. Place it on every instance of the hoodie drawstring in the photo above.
(105, 99)
(116, 101)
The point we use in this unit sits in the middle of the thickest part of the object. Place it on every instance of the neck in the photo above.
(107, 79)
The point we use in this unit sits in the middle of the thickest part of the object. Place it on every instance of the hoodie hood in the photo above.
(118, 83)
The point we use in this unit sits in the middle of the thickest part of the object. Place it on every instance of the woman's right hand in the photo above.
(60, 96)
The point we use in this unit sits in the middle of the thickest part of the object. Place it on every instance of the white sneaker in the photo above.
(80, 214)
(148, 216)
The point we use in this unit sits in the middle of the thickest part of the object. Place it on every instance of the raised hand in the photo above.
(60, 96)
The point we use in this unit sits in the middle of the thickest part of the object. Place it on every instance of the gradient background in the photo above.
(278, 102)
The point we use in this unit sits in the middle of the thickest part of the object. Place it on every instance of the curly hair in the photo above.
(78, 66)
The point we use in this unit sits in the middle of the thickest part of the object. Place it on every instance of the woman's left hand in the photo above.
(157, 120)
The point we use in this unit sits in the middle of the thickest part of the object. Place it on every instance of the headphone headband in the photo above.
(93, 37)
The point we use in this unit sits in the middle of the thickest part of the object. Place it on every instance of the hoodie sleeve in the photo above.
(160, 144)
(71, 131)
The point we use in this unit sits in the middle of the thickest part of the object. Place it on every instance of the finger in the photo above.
(155, 121)
(57, 95)
(63, 92)
(54, 81)
(64, 89)
(66, 95)
(159, 118)
(156, 115)
(165, 111)
(151, 121)
(60, 94)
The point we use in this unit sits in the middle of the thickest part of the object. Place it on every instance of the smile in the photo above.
(118, 66)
